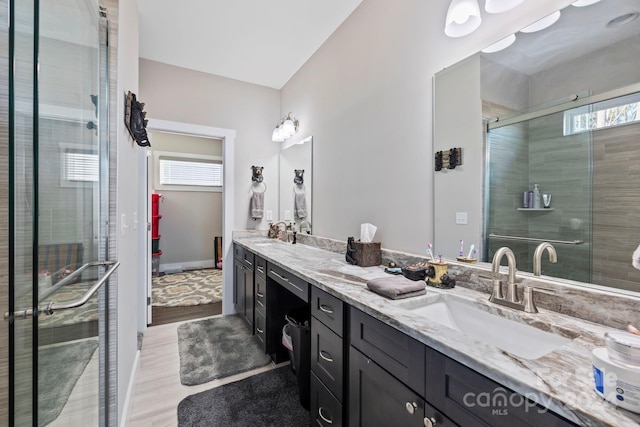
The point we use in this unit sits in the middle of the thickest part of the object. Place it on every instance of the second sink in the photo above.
(511, 336)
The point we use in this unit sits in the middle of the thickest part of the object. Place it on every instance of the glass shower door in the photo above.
(58, 213)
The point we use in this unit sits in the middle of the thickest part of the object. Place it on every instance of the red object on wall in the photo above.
(155, 204)
(155, 226)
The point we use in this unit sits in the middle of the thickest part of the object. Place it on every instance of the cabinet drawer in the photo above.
(243, 255)
(261, 266)
(325, 409)
(261, 295)
(327, 309)
(471, 399)
(401, 355)
(327, 357)
(289, 281)
(259, 328)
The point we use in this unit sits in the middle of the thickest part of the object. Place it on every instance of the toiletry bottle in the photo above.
(525, 200)
(530, 201)
(537, 201)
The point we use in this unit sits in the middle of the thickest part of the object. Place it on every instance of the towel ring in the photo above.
(255, 185)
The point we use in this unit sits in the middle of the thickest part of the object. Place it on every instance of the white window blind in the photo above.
(80, 167)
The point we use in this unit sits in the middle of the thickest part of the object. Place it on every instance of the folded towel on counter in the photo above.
(300, 205)
(636, 258)
(257, 205)
(397, 287)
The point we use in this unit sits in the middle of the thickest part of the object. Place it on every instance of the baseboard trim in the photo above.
(191, 265)
(131, 392)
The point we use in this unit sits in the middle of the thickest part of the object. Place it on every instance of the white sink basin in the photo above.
(513, 337)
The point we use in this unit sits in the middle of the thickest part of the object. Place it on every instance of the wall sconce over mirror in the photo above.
(286, 128)
(463, 16)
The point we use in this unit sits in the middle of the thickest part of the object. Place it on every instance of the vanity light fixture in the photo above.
(582, 3)
(463, 17)
(500, 44)
(285, 129)
(543, 23)
(499, 6)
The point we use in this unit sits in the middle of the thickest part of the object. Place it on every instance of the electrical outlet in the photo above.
(287, 215)
(461, 218)
(268, 215)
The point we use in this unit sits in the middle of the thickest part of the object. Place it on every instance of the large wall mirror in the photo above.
(296, 184)
(559, 108)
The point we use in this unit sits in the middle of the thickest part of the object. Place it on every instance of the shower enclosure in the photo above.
(584, 154)
(61, 368)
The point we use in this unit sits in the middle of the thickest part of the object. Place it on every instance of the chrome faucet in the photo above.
(537, 257)
(527, 303)
(512, 288)
(306, 229)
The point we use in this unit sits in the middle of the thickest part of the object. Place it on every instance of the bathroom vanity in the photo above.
(376, 361)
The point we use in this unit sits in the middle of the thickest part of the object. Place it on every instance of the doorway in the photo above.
(186, 184)
(226, 138)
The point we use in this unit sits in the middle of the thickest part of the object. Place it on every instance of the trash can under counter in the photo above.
(299, 320)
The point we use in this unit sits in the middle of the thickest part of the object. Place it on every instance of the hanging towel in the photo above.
(397, 287)
(300, 205)
(636, 258)
(257, 205)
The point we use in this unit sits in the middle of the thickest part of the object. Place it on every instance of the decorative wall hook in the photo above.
(298, 176)
(257, 173)
(448, 159)
(134, 120)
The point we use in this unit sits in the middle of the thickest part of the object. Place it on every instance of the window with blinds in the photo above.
(79, 166)
(188, 172)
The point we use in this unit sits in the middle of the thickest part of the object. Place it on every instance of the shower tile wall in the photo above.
(616, 205)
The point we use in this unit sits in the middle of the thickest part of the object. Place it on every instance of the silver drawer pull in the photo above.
(325, 419)
(260, 331)
(260, 269)
(260, 302)
(259, 295)
(326, 309)
(248, 262)
(328, 358)
(282, 277)
(411, 407)
(429, 422)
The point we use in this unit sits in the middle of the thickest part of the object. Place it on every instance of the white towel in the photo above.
(636, 258)
(300, 205)
(257, 205)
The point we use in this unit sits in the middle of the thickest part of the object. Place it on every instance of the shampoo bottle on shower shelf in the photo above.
(537, 201)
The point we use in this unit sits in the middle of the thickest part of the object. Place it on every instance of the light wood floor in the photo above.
(158, 388)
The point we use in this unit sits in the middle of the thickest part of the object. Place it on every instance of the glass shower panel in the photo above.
(59, 208)
(532, 152)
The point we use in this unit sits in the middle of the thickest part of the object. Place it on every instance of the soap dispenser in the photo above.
(537, 201)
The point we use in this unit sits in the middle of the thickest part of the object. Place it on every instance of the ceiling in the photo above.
(256, 41)
(569, 38)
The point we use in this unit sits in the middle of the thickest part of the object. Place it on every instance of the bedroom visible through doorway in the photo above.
(186, 177)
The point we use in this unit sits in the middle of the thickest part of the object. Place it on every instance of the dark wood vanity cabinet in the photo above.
(243, 283)
(328, 359)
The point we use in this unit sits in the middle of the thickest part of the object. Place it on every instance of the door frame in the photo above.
(228, 139)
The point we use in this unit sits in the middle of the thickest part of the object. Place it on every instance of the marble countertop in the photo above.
(561, 380)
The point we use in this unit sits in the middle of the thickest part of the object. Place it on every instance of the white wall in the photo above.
(127, 204)
(187, 96)
(366, 97)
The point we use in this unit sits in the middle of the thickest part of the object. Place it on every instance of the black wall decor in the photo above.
(134, 120)
(256, 175)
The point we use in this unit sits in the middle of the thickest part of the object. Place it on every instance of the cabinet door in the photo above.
(260, 295)
(471, 399)
(376, 398)
(238, 287)
(248, 296)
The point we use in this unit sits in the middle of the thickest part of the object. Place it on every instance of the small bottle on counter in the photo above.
(537, 199)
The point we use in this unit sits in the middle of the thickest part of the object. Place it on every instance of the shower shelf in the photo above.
(536, 210)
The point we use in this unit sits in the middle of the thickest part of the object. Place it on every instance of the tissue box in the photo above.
(367, 254)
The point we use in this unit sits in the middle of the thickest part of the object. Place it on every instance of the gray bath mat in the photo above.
(61, 365)
(267, 399)
(217, 348)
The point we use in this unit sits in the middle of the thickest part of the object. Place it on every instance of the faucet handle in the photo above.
(527, 298)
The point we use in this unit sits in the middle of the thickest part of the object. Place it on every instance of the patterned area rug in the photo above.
(190, 288)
